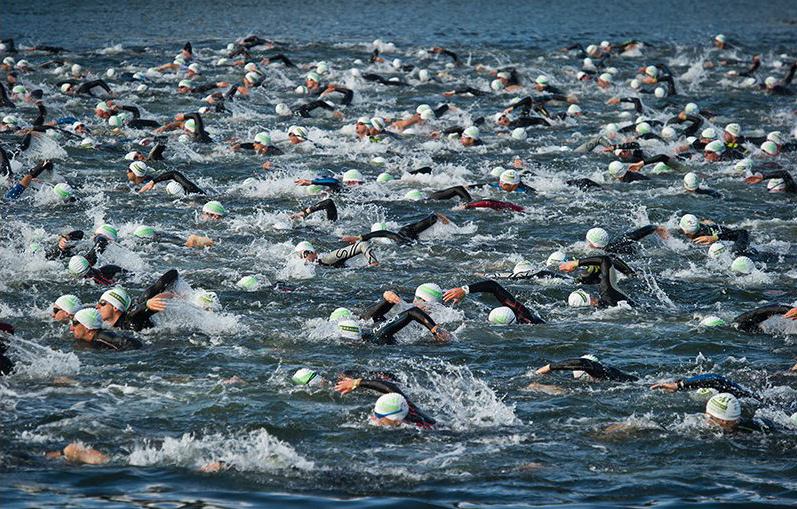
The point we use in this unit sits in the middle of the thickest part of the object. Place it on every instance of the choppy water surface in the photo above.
(165, 410)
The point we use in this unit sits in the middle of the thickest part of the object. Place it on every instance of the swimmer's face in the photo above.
(506, 186)
(131, 177)
(352, 182)
(384, 421)
(361, 129)
(207, 216)
(102, 114)
(603, 83)
(719, 44)
(503, 120)
(585, 77)
(310, 256)
(59, 315)
(712, 156)
(467, 141)
(106, 310)
(726, 425)
(183, 90)
(78, 330)
(295, 140)
(540, 87)
(185, 53)
(311, 84)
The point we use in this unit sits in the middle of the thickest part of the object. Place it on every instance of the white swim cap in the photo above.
(63, 190)
(743, 265)
(118, 298)
(709, 133)
(471, 132)
(340, 314)
(775, 137)
(139, 168)
(174, 188)
(263, 138)
(301, 90)
(555, 258)
(605, 77)
(668, 133)
(205, 300)
(413, 195)
(574, 109)
(378, 161)
(689, 223)
(522, 266)
(378, 123)
(185, 83)
(252, 77)
(497, 171)
(77, 68)
(724, 406)
(384, 177)
(422, 107)
(733, 129)
(283, 110)
(349, 329)
(579, 298)
(510, 177)
(69, 303)
(691, 182)
(353, 176)
(144, 232)
(298, 131)
(578, 373)
(391, 406)
(396, 63)
(712, 321)
(305, 376)
(717, 249)
(321, 67)
(589, 65)
(519, 134)
(303, 247)
(249, 67)
(78, 265)
(214, 207)
(770, 148)
(90, 318)
(429, 292)
(423, 75)
(190, 125)
(719, 38)
(598, 237)
(605, 44)
(248, 283)
(497, 85)
(502, 316)
(744, 165)
(87, 143)
(715, 146)
(141, 88)
(643, 128)
(542, 80)
(691, 108)
(652, 71)
(592, 49)
(65, 88)
(776, 185)
(771, 81)
(660, 92)
(107, 231)
(617, 169)
(313, 76)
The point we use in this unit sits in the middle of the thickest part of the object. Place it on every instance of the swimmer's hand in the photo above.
(449, 93)
(544, 370)
(636, 166)
(613, 100)
(199, 241)
(266, 165)
(791, 314)
(346, 385)
(82, 454)
(440, 334)
(149, 185)
(158, 302)
(455, 294)
(568, 266)
(754, 179)
(662, 232)
(351, 239)
(391, 297)
(303, 182)
(704, 240)
(670, 387)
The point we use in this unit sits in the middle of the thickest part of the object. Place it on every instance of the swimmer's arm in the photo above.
(451, 192)
(790, 76)
(190, 187)
(384, 234)
(720, 383)
(326, 205)
(133, 110)
(378, 311)
(749, 321)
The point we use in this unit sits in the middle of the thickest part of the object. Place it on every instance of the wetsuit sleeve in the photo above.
(635, 100)
(522, 313)
(751, 320)
(696, 124)
(625, 240)
(384, 234)
(201, 89)
(109, 340)
(189, 186)
(790, 76)
(167, 279)
(156, 154)
(452, 130)
(610, 296)
(378, 311)
(332, 183)
(5, 165)
(469, 90)
(85, 88)
(425, 170)
(439, 112)
(447, 194)
(42, 113)
(781, 174)
(670, 84)
(752, 69)
(282, 58)
(384, 334)
(734, 235)
(412, 230)
(306, 109)
(326, 205)
(528, 122)
(201, 134)
(494, 204)
(720, 383)
(348, 94)
(338, 258)
(100, 243)
(450, 54)
(133, 110)
(594, 369)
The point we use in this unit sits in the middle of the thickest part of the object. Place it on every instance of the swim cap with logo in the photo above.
(497, 85)
(349, 329)
(733, 129)
(282, 110)
(107, 231)
(691, 108)
(248, 283)
(144, 232)
(715, 146)
(776, 185)
(668, 133)
(743, 265)
(429, 292)
(510, 177)
(175, 189)
(303, 247)
(691, 182)
(384, 177)
(69, 303)
(712, 321)
(214, 207)
(598, 237)
(413, 195)
(555, 258)
(724, 406)
(391, 406)
(62, 190)
(502, 316)
(769, 148)
(522, 266)
(689, 223)
(205, 300)
(305, 376)
(471, 132)
(139, 168)
(340, 314)
(542, 80)
(263, 138)
(578, 299)
(717, 249)
(775, 137)
(118, 298)
(190, 125)
(353, 176)
(519, 134)
(78, 265)
(617, 169)
(90, 318)
(709, 133)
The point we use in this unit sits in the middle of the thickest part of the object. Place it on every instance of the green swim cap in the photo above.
(144, 232)
(214, 207)
(340, 314)
(303, 376)
(384, 177)
(249, 283)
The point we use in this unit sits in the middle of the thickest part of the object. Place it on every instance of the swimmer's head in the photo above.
(597, 238)
(391, 408)
(428, 292)
(502, 316)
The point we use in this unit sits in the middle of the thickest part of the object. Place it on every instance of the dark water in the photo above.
(162, 412)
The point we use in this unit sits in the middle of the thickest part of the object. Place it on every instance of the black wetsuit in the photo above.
(751, 320)
(327, 206)
(107, 340)
(86, 87)
(200, 135)
(190, 187)
(528, 274)
(337, 258)
(609, 295)
(628, 243)
(415, 416)
(138, 122)
(594, 369)
(305, 110)
(407, 234)
(718, 382)
(791, 187)
(6, 364)
(522, 313)
(138, 318)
